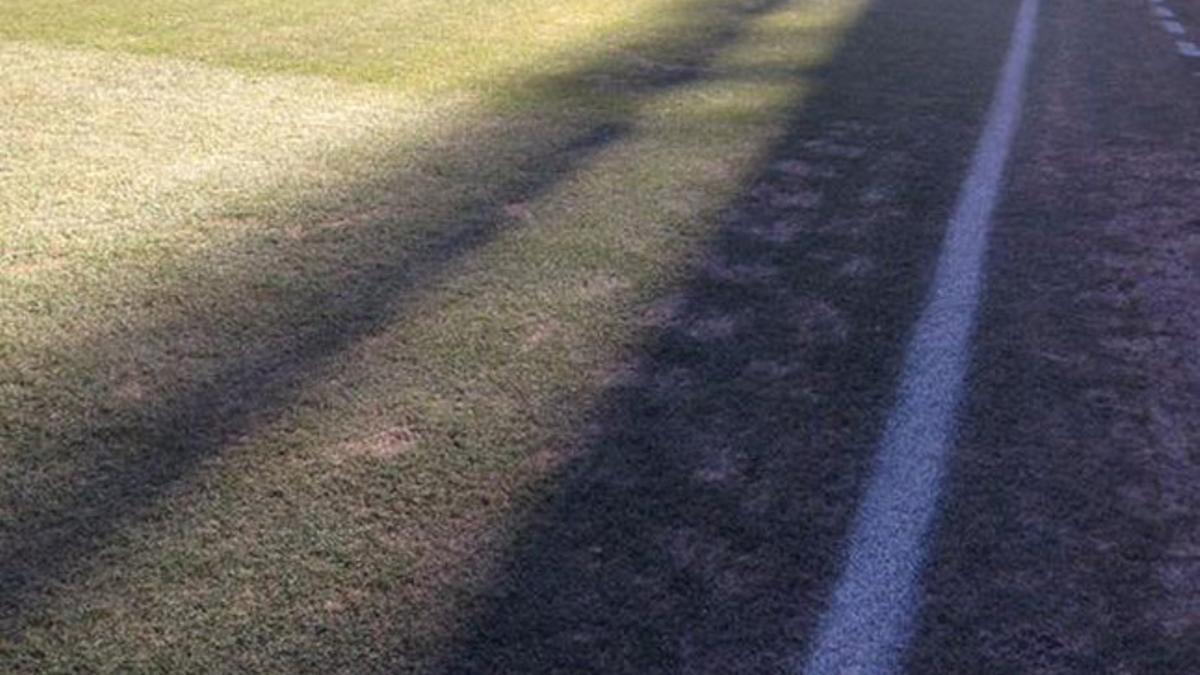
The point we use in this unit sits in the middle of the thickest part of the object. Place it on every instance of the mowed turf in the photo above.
(302, 301)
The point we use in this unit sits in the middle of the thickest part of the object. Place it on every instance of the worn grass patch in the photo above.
(283, 345)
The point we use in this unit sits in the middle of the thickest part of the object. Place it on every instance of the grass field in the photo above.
(306, 303)
(533, 336)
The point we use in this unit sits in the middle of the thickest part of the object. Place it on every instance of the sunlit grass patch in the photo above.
(280, 354)
(417, 44)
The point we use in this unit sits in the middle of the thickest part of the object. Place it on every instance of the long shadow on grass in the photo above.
(138, 455)
(701, 528)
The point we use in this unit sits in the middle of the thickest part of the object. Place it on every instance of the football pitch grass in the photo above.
(306, 303)
(533, 336)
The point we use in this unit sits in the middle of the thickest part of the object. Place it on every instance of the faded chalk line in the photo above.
(867, 626)
(1169, 22)
(1173, 27)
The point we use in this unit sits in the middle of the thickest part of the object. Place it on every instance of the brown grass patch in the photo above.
(711, 328)
(381, 445)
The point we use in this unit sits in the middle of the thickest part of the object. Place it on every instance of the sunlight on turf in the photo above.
(421, 44)
(175, 221)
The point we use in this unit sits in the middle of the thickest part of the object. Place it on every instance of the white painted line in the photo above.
(867, 626)
(1174, 27)
(1164, 13)
(1188, 48)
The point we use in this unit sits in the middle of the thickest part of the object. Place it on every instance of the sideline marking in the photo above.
(1164, 12)
(870, 618)
(1174, 27)
(1188, 48)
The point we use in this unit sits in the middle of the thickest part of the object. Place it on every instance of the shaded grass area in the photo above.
(283, 423)
(1071, 531)
(700, 526)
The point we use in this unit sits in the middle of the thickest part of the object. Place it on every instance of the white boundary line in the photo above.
(871, 615)
(1173, 27)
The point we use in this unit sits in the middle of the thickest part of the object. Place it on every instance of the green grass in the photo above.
(303, 301)
(478, 45)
